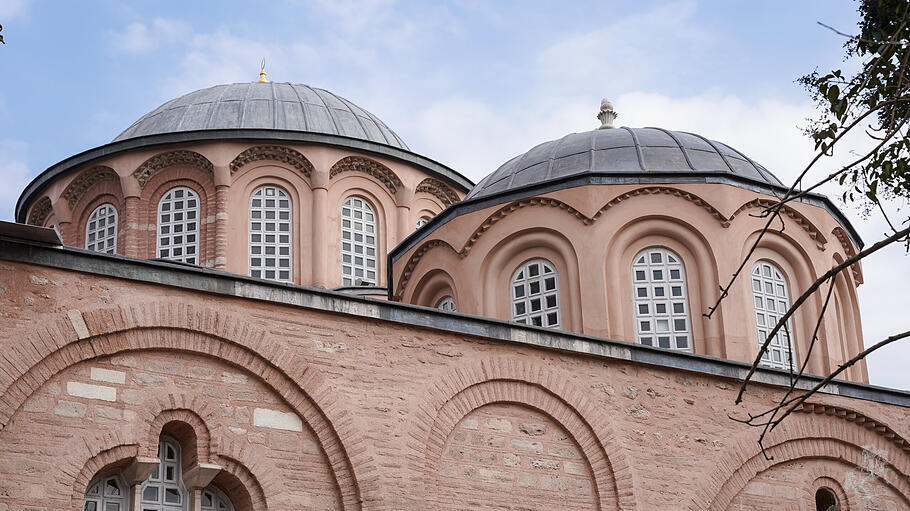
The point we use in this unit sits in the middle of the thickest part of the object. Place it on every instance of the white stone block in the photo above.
(108, 375)
(88, 391)
(265, 418)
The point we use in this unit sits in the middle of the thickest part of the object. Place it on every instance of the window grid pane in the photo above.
(447, 304)
(214, 500)
(105, 493)
(770, 302)
(178, 226)
(422, 221)
(101, 230)
(535, 294)
(358, 243)
(270, 234)
(661, 300)
(163, 490)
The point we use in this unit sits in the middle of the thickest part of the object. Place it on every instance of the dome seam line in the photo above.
(637, 144)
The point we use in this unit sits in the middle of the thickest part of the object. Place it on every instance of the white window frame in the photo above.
(359, 243)
(770, 301)
(447, 304)
(661, 300)
(100, 497)
(183, 234)
(214, 499)
(162, 483)
(101, 229)
(270, 234)
(534, 297)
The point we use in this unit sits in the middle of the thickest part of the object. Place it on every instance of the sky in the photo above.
(469, 83)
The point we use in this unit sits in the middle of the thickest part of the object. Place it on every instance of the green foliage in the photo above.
(876, 99)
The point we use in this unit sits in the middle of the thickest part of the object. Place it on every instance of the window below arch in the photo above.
(214, 500)
(178, 225)
(101, 230)
(770, 301)
(270, 234)
(826, 500)
(424, 220)
(358, 243)
(447, 304)
(535, 294)
(163, 490)
(661, 300)
(107, 493)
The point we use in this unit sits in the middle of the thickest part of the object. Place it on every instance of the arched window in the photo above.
(422, 221)
(270, 234)
(178, 225)
(826, 500)
(214, 500)
(770, 301)
(447, 304)
(535, 294)
(661, 302)
(358, 243)
(163, 490)
(101, 230)
(107, 493)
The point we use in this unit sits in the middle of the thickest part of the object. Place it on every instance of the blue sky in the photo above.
(469, 83)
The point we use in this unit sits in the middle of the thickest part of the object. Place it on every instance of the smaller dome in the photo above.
(652, 153)
(264, 106)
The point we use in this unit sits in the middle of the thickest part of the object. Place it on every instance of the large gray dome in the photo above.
(627, 153)
(264, 105)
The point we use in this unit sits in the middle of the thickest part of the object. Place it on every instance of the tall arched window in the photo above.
(106, 493)
(358, 243)
(270, 234)
(535, 294)
(661, 302)
(101, 230)
(163, 490)
(178, 225)
(770, 301)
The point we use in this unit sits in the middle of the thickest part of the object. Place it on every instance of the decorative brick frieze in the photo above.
(280, 154)
(159, 162)
(86, 179)
(40, 211)
(372, 168)
(438, 189)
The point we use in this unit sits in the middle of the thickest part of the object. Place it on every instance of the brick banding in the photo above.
(186, 327)
(507, 380)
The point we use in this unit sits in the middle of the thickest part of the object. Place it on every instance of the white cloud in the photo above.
(138, 37)
(14, 173)
(10, 9)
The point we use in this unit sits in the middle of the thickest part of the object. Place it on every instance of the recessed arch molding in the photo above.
(159, 162)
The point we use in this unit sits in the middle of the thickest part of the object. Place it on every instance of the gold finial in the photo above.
(262, 72)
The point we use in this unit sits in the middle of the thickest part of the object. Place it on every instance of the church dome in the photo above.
(624, 155)
(264, 106)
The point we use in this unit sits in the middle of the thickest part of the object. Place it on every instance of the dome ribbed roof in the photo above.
(264, 105)
(622, 152)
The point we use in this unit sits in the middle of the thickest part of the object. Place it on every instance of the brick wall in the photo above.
(357, 414)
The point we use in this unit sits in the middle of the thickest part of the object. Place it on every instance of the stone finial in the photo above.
(606, 114)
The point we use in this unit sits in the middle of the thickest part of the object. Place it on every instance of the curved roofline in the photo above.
(608, 178)
(41, 181)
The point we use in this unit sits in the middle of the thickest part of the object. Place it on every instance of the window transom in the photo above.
(101, 230)
(770, 301)
(661, 302)
(535, 294)
(178, 225)
(358, 243)
(270, 234)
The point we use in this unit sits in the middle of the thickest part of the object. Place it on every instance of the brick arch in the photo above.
(165, 412)
(100, 451)
(438, 189)
(86, 179)
(275, 153)
(41, 210)
(205, 331)
(816, 431)
(367, 166)
(159, 162)
(508, 380)
(246, 481)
